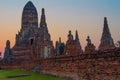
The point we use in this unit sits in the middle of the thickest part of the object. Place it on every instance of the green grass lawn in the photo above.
(34, 76)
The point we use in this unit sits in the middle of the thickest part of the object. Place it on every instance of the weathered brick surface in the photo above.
(94, 66)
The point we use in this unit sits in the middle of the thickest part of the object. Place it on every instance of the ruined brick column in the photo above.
(8, 53)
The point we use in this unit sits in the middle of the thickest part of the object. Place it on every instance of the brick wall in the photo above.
(95, 66)
(87, 66)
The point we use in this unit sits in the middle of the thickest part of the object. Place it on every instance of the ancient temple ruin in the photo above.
(34, 48)
(32, 41)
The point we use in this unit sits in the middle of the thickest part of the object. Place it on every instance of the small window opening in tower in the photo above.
(31, 41)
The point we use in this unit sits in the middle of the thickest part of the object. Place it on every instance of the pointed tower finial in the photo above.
(77, 39)
(106, 25)
(76, 35)
(43, 11)
(106, 39)
(43, 18)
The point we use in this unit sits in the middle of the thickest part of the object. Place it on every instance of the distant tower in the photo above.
(77, 39)
(106, 39)
(8, 53)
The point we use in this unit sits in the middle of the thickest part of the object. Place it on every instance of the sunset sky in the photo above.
(86, 16)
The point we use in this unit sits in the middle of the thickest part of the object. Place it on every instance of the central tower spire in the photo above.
(29, 16)
(29, 24)
(43, 12)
